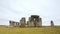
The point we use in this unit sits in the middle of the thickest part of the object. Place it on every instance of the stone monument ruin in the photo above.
(34, 21)
(14, 24)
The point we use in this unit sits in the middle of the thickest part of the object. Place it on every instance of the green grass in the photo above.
(35, 30)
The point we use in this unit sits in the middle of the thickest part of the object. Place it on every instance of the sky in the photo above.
(16, 9)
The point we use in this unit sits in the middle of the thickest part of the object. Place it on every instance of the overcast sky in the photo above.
(16, 9)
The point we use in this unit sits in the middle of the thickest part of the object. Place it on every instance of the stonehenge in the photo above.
(33, 21)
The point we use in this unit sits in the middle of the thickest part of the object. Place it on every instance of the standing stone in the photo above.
(23, 22)
(30, 24)
(40, 22)
(52, 23)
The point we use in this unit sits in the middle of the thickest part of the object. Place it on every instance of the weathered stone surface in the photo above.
(40, 22)
(13, 23)
(23, 22)
(31, 24)
(34, 21)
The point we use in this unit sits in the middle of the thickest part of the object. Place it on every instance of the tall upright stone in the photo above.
(23, 22)
(52, 23)
(40, 21)
(30, 23)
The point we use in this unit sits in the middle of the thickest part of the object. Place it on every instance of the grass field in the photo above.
(35, 30)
